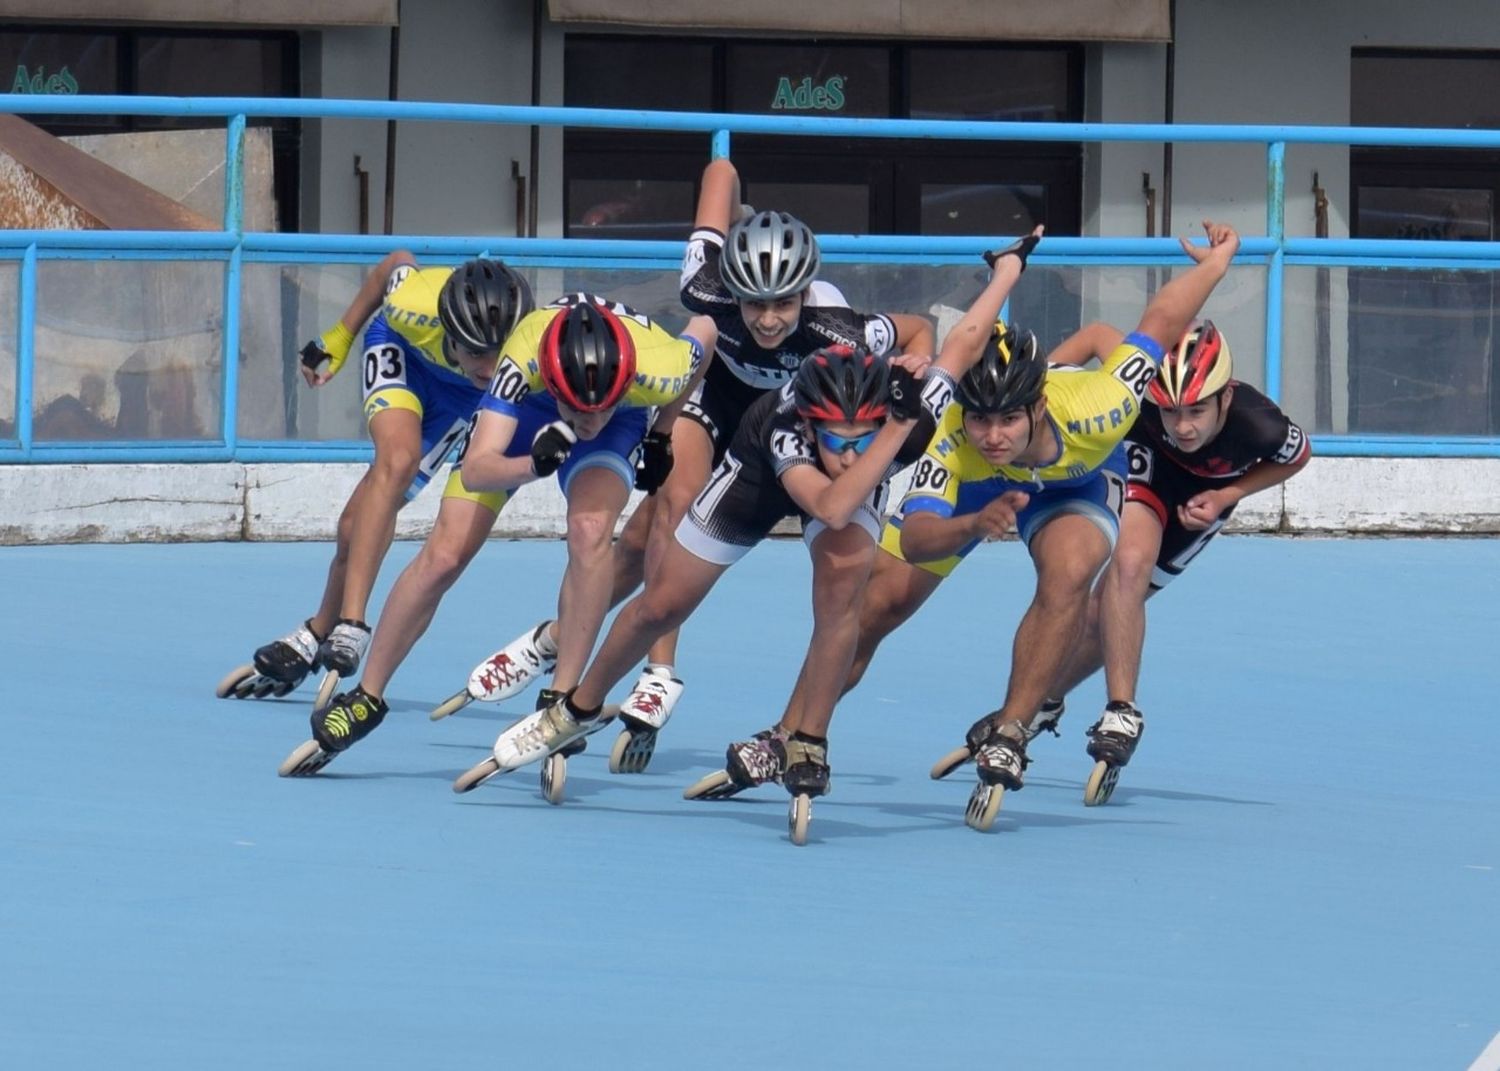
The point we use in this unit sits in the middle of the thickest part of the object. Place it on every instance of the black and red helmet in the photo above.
(587, 357)
(842, 384)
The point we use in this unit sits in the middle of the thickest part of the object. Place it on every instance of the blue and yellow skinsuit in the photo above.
(1090, 412)
(664, 365)
(405, 367)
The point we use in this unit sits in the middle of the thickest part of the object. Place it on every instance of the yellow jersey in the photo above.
(1089, 410)
(664, 364)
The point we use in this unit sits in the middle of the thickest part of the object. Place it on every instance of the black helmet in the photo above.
(1010, 374)
(771, 255)
(481, 303)
(839, 383)
(587, 357)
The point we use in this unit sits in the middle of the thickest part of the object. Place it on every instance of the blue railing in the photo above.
(235, 247)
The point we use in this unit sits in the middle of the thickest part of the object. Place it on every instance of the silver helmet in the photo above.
(771, 255)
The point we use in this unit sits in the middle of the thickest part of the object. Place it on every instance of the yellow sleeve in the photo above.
(935, 480)
(663, 364)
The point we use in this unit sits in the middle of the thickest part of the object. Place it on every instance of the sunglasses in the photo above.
(839, 443)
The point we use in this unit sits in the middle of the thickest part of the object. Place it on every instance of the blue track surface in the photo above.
(1300, 869)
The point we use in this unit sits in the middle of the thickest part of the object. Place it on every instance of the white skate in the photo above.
(507, 672)
(644, 713)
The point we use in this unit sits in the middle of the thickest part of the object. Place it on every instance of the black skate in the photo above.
(1002, 763)
(1112, 741)
(807, 777)
(348, 719)
(747, 763)
(279, 667)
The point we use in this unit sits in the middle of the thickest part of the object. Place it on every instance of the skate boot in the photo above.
(347, 719)
(1002, 761)
(1046, 719)
(1112, 741)
(554, 775)
(340, 654)
(747, 763)
(806, 777)
(507, 672)
(643, 713)
(279, 667)
(537, 736)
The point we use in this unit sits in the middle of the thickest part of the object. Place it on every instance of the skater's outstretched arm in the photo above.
(835, 501)
(335, 343)
(1173, 308)
(966, 341)
(1095, 340)
(718, 196)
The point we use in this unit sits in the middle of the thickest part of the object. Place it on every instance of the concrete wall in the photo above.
(170, 503)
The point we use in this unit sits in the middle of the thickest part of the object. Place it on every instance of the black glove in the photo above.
(313, 355)
(655, 463)
(906, 394)
(551, 446)
(1020, 249)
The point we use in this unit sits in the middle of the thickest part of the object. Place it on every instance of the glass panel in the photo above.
(826, 207)
(283, 306)
(809, 79)
(1395, 212)
(10, 293)
(1436, 89)
(128, 350)
(62, 63)
(1374, 351)
(1021, 85)
(973, 208)
(629, 208)
(648, 73)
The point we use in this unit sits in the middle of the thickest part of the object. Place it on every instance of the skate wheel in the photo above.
(554, 778)
(452, 705)
(306, 760)
(1101, 784)
(229, 687)
(326, 687)
(263, 688)
(984, 805)
(632, 751)
(950, 762)
(798, 817)
(282, 690)
(477, 775)
(716, 786)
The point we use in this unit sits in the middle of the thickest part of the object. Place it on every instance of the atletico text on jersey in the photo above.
(664, 364)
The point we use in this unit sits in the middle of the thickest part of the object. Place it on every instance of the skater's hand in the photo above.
(655, 463)
(1020, 249)
(1223, 242)
(1203, 509)
(551, 447)
(333, 347)
(906, 388)
(999, 516)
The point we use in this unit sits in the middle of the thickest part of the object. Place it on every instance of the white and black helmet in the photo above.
(771, 255)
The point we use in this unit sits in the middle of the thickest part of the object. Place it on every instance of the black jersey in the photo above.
(744, 498)
(1255, 430)
(825, 321)
(1163, 478)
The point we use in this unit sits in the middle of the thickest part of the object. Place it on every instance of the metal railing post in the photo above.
(234, 223)
(26, 351)
(1275, 289)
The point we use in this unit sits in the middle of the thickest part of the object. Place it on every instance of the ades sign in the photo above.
(804, 96)
(27, 82)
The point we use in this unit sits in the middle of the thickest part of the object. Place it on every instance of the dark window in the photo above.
(623, 183)
(809, 79)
